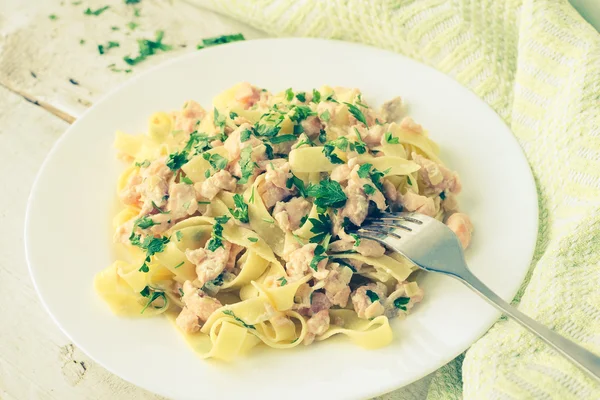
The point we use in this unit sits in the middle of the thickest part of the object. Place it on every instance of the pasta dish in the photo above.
(236, 220)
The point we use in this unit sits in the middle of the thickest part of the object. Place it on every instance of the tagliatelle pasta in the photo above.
(236, 221)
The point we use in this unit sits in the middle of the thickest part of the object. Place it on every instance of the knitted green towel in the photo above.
(537, 63)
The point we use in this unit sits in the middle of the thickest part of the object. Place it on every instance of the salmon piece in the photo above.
(274, 188)
(188, 118)
(247, 95)
(415, 202)
(367, 247)
(182, 201)
(316, 326)
(391, 110)
(209, 264)
(410, 125)
(463, 228)
(299, 263)
(198, 308)
(436, 176)
(289, 214)
(364, 307)
(222, 180)
(312, 126)
(336, 285)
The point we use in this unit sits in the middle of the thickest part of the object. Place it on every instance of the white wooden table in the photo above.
(48, 79)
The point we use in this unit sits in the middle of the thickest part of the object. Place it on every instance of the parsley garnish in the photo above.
(356, 113)
(143, 164)
(442, 195)
(268, 220)
(104, 48)
(251, 199)
(233, 115)
(152, 246)
(186, 180)
(327, 193)
(148, 48)
(132, 25)
(284, 138)
(299, 183)
(300, 113)
(179, 265)
(253, 239)
(96, 12)
(231, 314)
(132, 1)
(282, 281)
(389, 138)
(319, 256)
(376, 176)
(218, 119)
(266, 129)
(364, 169)
(356, 239)
(216, 236)
(408, 180)
(344, 263)
(401, 302)
(245, 135)
(247, 166)
(322, 136)
(301, 96)
(151, 297)
(316, 96)
(214, 41)
(333, 158)
(372, 296)
(289, 94)
(216, 161)
(325, 116)
(145, 223)
(52, 17)
(177, 160)
(321, 227)
(240, 212)
(160, 210)
(178, 235)
(369, 189)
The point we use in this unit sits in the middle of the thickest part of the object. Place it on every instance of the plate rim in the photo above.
(376, 391)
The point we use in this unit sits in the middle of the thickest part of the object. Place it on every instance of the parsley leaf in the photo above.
(356, 113)
(372, 296)
(253, 239)
(299, 183)
(283, 138)
(325, 116)
(216, 236)
(148, 48)
(442, 195)
(389, 138)
(369, 189)
(240, 212)
(321, 227)
(319, 256)
(331, 156)
(157, 208)
(152, 297)
(245, 135)
(96, 12)
(289, 94)
(364, 169)
(344, 263)
(233, 115)
(143, 164)
(104, 48)
(214, 41)
(152, 246)
(316, 96)
(145, 223)
(247, 165)
(300, 113)
(282, 281)
(301, 96)
(327, 193)
(401, 302)
(215, 160)
(132, 1)
(186, 180)
(322, 136)
(177, 160)
(178, 235)
(231, 314)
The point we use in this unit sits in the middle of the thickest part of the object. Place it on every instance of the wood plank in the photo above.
(43, 59)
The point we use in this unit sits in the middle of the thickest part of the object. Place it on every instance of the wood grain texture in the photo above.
(42, 60)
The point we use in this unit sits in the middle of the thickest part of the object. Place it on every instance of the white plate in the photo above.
(68, 236)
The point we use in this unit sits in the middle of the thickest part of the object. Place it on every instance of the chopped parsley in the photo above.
(186, 180)
(372, 296)
(442, 195)
(268, 220)
(231, 314)
(299, 183)
(284, 138)
(233, 115)
(217, 40)
(363, 171)
(152, 246)
(132, 1)
(289, 94)
(253, 239)
(300, 113)
(328, 150)
(143, 164)
(327, 193)
(216, 236)
(240, 212)
(251, 199)
(52, 17)
(247, 166)
(148, 48)
(215, 160)
(321, 227)
(282, 281)
(316, 96)
(218, 119)
(319, 256)
(177, 160)
(356, 113)
(301, 96)
(245, 135)
(178, 235)
(344, 263)
(132, 25)
(369, 189)
(401, 303)
(145, 223)
(325, 116)
(97, 12)
(157, 208)
(179, 265)
(322, 136)
(356, 239)
(152, 295)
(102, 49)
(389, 138)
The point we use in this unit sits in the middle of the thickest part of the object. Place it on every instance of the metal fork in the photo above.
(433, 246)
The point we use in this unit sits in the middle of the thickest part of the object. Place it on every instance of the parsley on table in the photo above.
(214, 41)
(316, 96)
(283, 138)
(247, 166)
(301, 96)
(327, 193)
(282, 281)
(401, 302)
(299, 183)
(325, 116)
(216, 236)
(253, 239)
(372, 296)
(177, 160)
(152, 295)
(148, 48)
(240, 212)
(356, 113)
(97, 12)
(369, 189)
(328, 151)
(231, 314)
(318, 257)
(389, 138)
(321, 227)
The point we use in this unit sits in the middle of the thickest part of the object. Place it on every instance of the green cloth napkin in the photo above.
(537, 64)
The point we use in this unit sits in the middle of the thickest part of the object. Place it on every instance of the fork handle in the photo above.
(583, 358)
